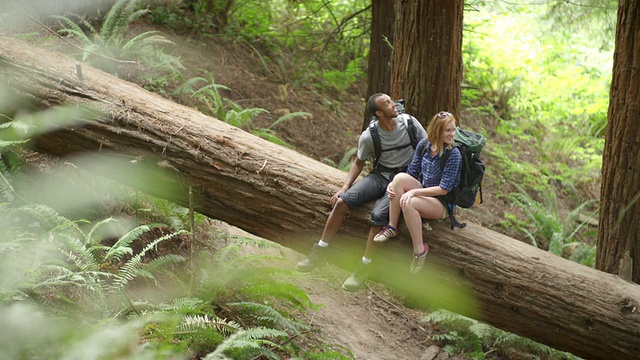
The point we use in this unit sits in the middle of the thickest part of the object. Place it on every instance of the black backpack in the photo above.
(469, 191)
(411, 128)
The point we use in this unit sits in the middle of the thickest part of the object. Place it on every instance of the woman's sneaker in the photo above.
(385, 234)
(418, 260)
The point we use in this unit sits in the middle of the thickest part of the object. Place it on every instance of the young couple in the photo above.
(403, 181)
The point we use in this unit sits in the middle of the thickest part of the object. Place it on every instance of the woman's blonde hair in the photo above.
(436, 127)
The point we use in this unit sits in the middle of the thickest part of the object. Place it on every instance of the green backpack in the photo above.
(469, 191)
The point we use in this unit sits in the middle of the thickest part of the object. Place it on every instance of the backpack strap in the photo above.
(377, 146)
(446, 200)
(411, 127)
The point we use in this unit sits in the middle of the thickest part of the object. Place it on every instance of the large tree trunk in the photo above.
(619, 231)
(278, 194)
(427, 56)
(378, 72)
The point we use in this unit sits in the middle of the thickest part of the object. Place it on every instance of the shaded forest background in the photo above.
(545, 118)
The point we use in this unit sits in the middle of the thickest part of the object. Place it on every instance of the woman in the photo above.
(417, 192)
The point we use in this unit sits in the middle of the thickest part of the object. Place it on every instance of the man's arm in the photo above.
(354, 172)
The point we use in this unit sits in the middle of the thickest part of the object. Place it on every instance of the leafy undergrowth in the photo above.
(223, 297)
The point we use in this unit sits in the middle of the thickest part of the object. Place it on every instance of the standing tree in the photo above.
(427, 56)
(378, 76)
(618, 248)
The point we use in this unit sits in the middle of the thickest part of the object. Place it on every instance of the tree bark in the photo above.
(427, 56)
(283, 196)
(379, 70)
(618, 249)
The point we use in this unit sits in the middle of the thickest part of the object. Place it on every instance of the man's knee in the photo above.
(379, 217)
(340, 207)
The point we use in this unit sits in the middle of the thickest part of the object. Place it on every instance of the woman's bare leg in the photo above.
(418, 208)
(401, 183)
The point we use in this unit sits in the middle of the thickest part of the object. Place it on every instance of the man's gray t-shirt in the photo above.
(395, 138)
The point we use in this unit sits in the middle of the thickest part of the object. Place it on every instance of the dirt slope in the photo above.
(370, 324)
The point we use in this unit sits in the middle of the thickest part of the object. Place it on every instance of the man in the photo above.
(397, 148)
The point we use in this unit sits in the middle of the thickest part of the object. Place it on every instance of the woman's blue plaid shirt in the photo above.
(428, 170)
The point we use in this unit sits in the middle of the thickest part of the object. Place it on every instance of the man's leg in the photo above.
(317, 256)
(368, 189)
(379, 216)
(334, 221)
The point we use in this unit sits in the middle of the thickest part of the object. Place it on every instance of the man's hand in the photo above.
(334, 198)
(390, 192)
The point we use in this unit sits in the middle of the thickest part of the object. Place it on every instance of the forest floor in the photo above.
(371, 323)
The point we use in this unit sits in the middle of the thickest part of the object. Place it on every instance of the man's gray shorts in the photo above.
(371, 187)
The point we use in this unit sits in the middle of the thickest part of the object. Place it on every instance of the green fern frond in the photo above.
(271, 136)
(47, 216)
(482, 331)
(132, 268)
(122, 246)
(449, 337)
(80, 255)
(147, 41)
(182, 305)
(226, 327)
(248, 344)
(267, 315)
(19, 126)
(4, 144)
(97, 226)
(162, 262)
(73, 29)
(284, 292)
(507, 338)
(117, 18)
(290, 116)
(242, 118)
(189, 86)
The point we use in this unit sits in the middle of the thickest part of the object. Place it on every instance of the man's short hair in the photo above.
(372, 107)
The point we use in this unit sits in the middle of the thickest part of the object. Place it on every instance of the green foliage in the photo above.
(546, 227)
(109, 46)
(343, 79)
(76, 270)
(345, 162)
(547, 91)
(212, 102)
(477, 340)
(73, 267)
(297, 42)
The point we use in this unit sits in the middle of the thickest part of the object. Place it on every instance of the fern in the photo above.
(247, 344)
(268, 316)
(122, 245)
(133, 268)
(547, 227)
(289, 117)
(182, 305)
(194, 323)
(109, 41)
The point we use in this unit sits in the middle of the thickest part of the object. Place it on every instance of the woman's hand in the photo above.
(390, 192)
(406, 197)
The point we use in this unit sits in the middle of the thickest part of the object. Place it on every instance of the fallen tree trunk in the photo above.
(280, 195)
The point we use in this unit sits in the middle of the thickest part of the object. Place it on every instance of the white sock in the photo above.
(366, 261)
(323, 244)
